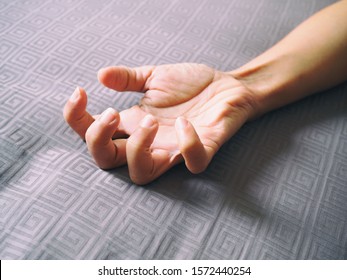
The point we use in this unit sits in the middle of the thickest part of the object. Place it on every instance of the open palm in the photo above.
(187, 112)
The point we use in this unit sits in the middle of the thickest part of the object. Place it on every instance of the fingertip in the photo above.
(185, 132)
(76, 95)
(101, 74)
(181, 124)
(143, 136)
(76, 105)
(112, 77)
(75, 113)
(109, 117)
(148, 121)
(101, 131)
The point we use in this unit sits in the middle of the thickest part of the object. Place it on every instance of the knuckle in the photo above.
(189, 146)
(67, 113)
(197, 168)
(91, 136)
(140, 180)
(103, 166)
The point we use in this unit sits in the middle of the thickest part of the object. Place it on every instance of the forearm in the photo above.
(311, 58)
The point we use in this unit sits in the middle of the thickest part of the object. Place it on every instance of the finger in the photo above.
(123, 78)
(141, 161)
(126, 124)
(106, 153)
(193, 151)
(75, 112)
(130, 119)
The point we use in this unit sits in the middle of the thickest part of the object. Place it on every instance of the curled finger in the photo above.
(75, 112)
(106, 152)
(195, 155)
(144, 164)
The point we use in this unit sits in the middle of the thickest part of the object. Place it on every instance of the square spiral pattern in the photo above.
(276, 190)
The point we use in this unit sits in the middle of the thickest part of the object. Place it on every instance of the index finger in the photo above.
(75, 112)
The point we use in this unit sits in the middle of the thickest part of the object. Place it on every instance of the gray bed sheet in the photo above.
(276, 190)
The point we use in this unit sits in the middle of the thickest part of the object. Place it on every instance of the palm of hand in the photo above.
(172, 91)
(211, 101)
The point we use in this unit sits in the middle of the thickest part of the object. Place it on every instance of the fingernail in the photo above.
(181, 123)
(108, 116)
(76, 95)
(148, 121)
(100, 70)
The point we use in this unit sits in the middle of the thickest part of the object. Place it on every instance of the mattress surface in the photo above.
(276, 190)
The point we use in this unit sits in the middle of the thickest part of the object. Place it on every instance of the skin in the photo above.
(188, 111)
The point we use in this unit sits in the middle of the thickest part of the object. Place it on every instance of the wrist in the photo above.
(243, 98)
(272, 81)
(251, 79)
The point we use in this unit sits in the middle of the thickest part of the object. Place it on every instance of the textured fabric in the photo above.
(276, 190)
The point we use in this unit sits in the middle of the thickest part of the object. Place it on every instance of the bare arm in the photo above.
(311, 58)
(188, 111)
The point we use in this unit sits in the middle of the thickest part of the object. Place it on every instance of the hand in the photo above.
(188, 112)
